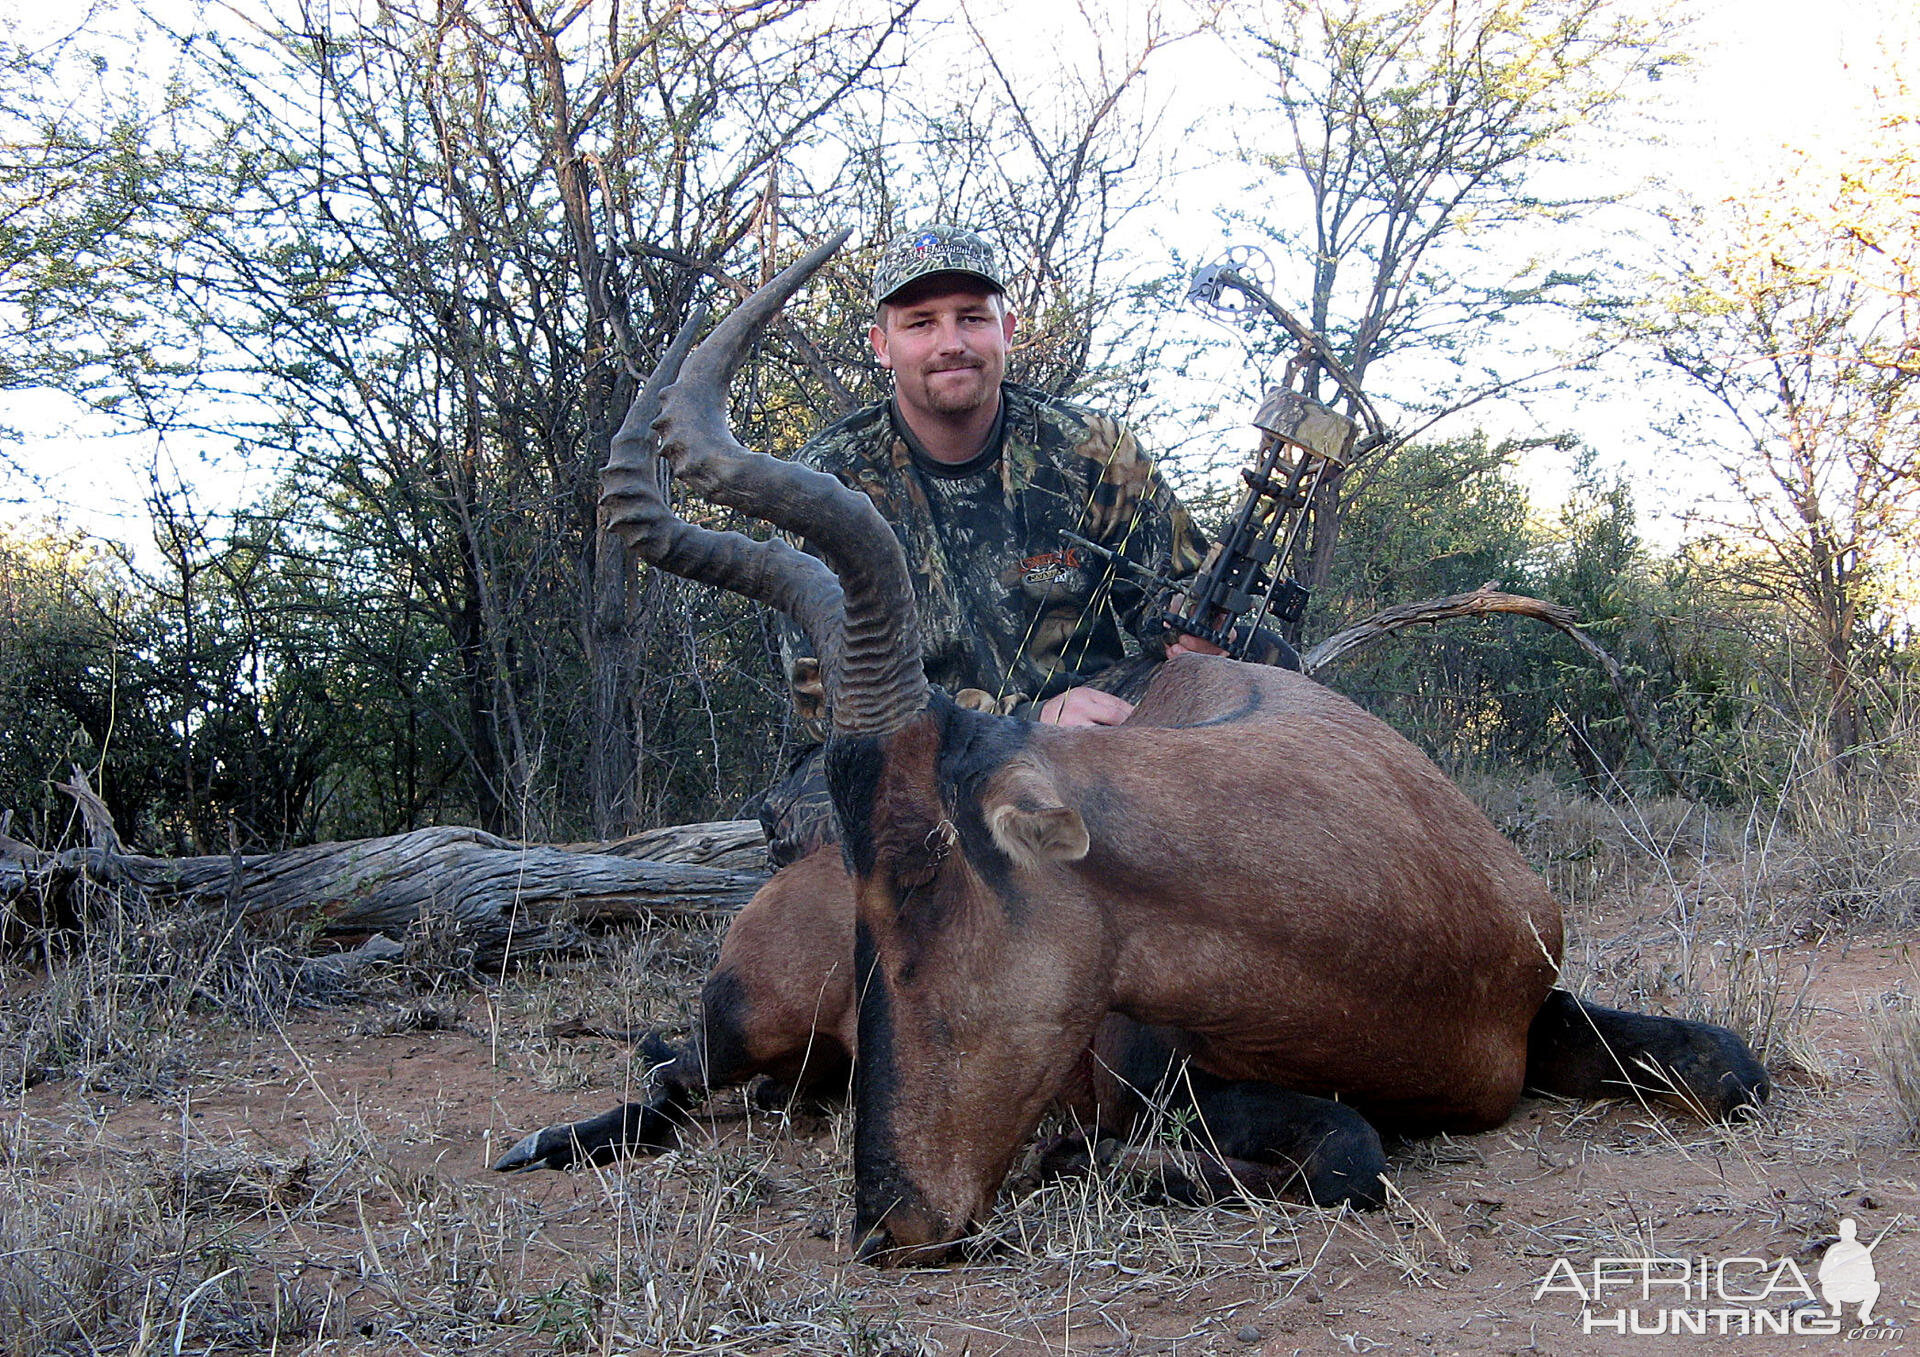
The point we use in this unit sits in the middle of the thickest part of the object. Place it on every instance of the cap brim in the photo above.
(992, 283)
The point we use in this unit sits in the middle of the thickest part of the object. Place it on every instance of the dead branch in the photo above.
(736, 845)
(1484, 602)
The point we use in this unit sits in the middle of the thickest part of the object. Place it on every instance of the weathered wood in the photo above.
(736, 845)
(342, 968)
(499, 897)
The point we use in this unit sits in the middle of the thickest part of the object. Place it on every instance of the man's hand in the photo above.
(1193, 645)
(1085, 707)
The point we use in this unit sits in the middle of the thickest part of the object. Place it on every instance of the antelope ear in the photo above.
(1025, 815)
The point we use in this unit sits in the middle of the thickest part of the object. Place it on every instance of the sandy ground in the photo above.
(335, 1166)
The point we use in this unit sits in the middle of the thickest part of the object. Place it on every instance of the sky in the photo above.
(1763, 78)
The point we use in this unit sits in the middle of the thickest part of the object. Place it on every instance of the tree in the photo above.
(1803, 326)
(92, 189)
(429, 292)
(1441, 519)
(431, 248)
(810, 77)
(63, 607)
(1414, 141)
(467, 235)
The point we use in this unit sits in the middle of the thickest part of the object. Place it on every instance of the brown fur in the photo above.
(790, 948)
(1278, 874)
(1050, 916)
(1366, 884)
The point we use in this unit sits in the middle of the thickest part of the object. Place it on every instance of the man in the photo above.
(983, 479)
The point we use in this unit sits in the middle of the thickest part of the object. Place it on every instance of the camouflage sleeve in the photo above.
(1137, 514)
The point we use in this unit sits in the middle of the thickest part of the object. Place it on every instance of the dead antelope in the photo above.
(1252, 863)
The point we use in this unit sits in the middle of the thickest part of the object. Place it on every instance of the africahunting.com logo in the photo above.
(1726, 1297)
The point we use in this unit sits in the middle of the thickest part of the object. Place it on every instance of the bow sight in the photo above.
(1302, 444)
(1244, 579)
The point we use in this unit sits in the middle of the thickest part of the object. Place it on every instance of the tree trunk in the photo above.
(613, 743)
(1328, 509)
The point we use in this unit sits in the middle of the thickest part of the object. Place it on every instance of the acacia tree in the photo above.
(64, 609)
(1804, 328)
(93, 188)
(451, 238)
(630, 162)
(1399, 143)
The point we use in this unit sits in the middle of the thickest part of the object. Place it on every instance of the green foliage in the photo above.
(1505, 693)
(1435, 520)
(63, 610)
(99, 194)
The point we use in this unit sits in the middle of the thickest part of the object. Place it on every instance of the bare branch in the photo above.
(1486, 601)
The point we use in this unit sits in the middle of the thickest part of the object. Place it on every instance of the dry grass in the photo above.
(130, 1254)
(1692, 910)
(1893, 1028)
(113, 1001)
(206, 1163)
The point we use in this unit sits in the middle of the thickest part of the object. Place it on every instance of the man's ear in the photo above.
(878, 338)
(1007, 321)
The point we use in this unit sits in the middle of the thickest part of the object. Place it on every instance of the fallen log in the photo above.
(737, 845)
(498, 897)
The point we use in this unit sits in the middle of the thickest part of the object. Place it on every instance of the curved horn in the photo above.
(872, 669)
(633, 501)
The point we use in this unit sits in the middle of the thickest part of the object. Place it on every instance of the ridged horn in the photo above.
(634, 503)
(871, 666)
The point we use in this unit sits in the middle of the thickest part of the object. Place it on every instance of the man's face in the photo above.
(946, 345)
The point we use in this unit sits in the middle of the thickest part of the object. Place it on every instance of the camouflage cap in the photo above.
(934, 249)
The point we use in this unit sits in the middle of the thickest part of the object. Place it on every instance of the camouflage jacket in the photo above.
(1011, 612)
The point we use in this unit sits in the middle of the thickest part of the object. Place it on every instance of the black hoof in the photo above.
(1349, 1169)
(1580, 1050)
(1730, 1084)
(598, 1141)
(1303, 1148)
(551, 1147)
